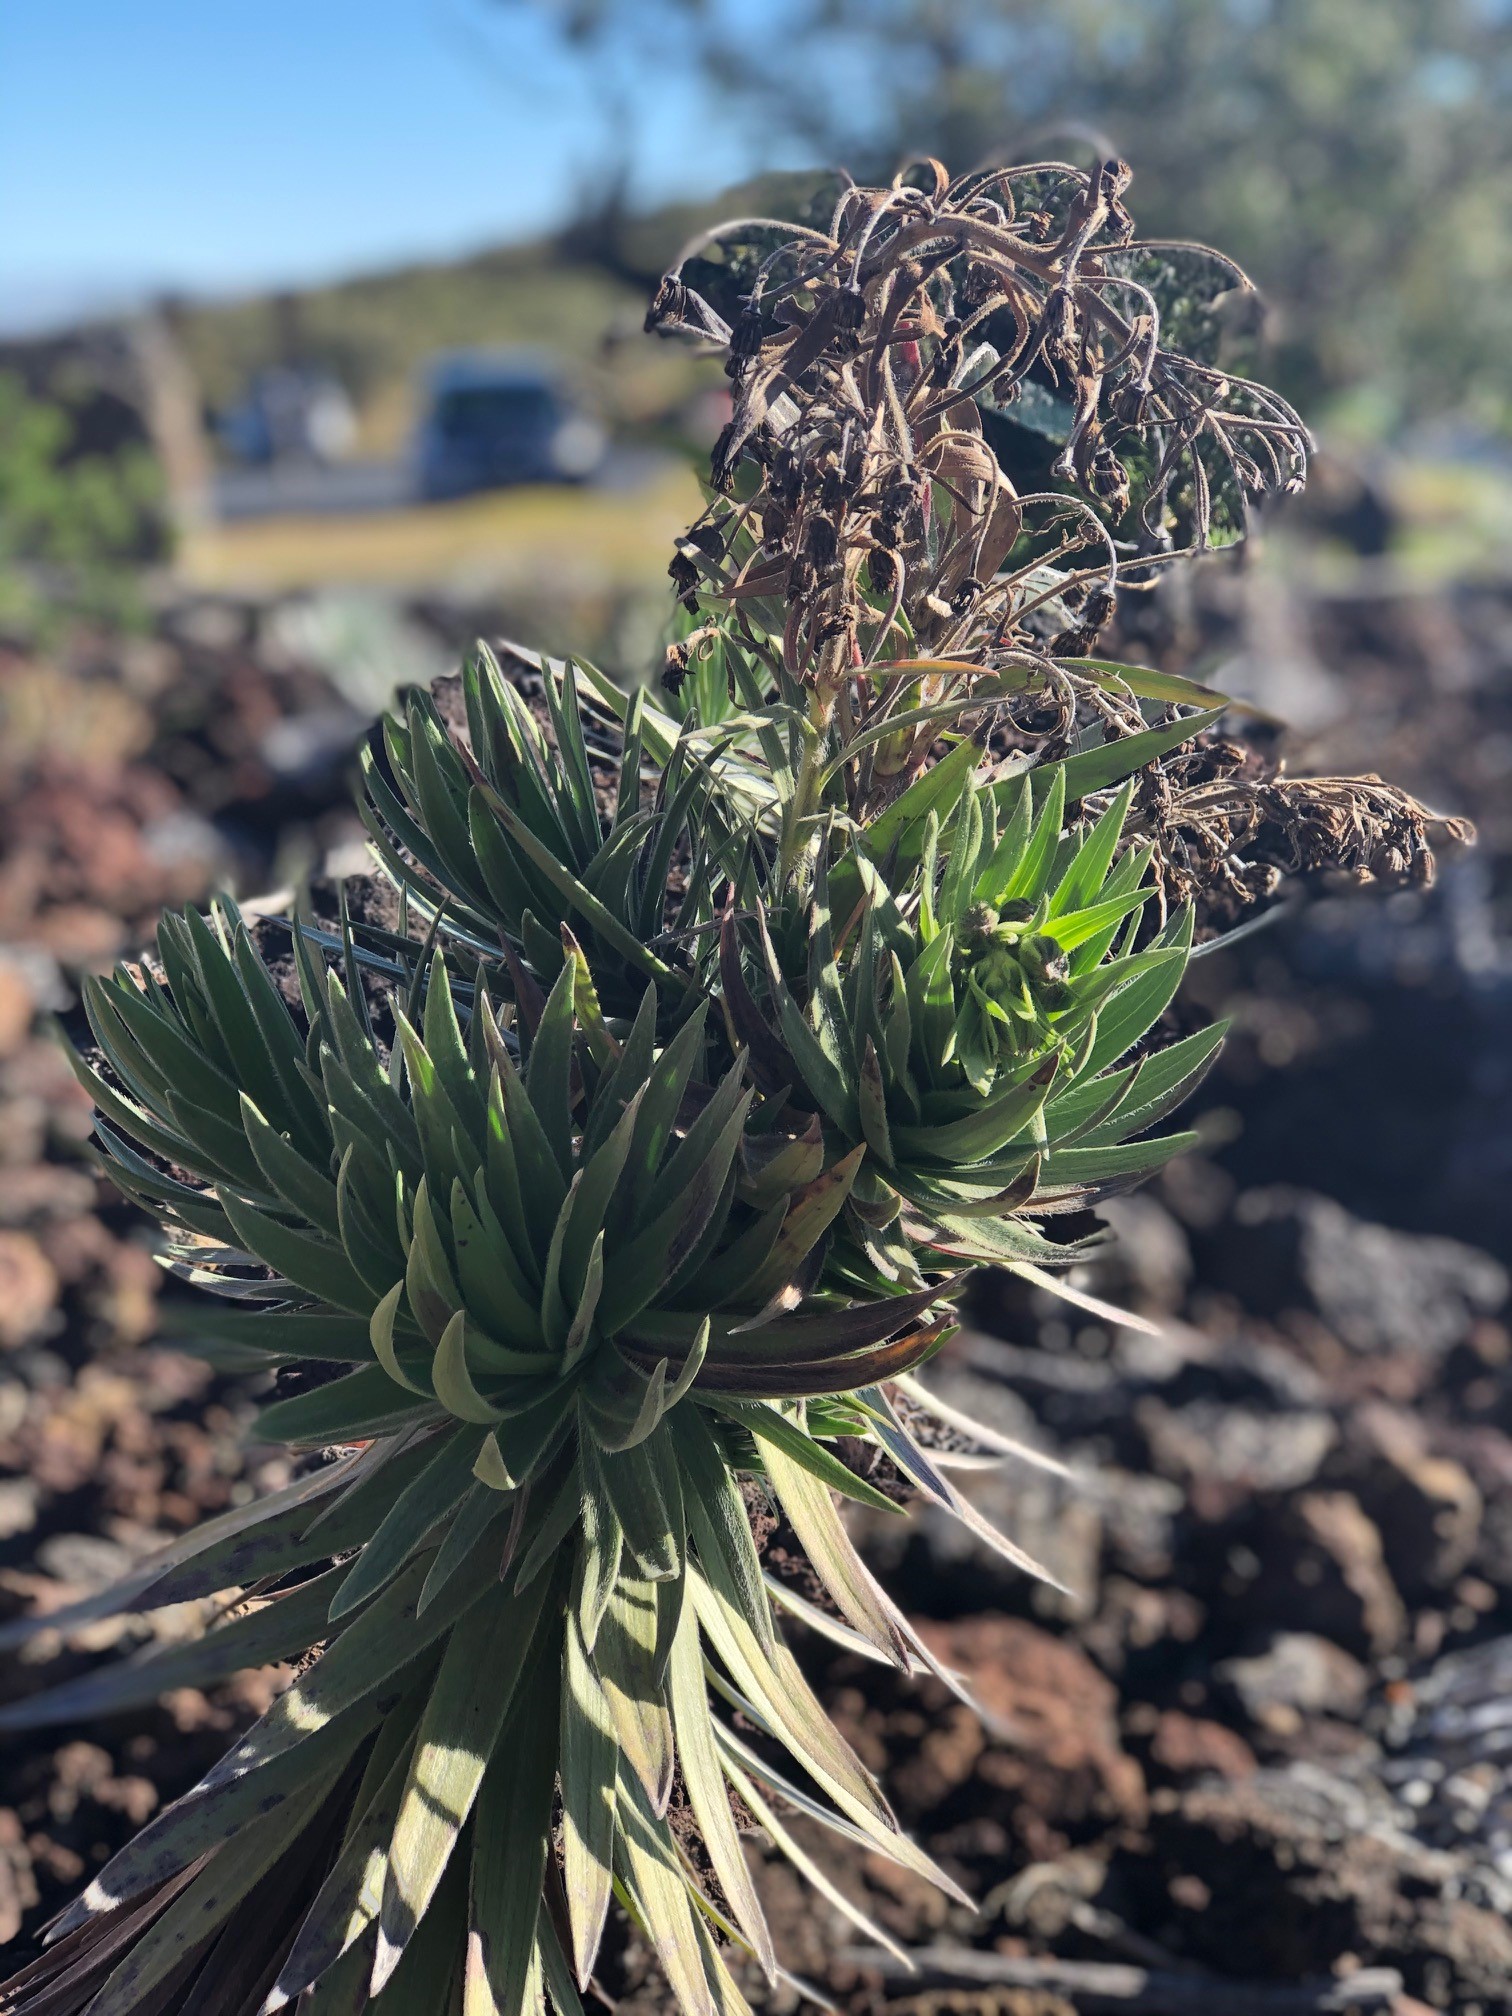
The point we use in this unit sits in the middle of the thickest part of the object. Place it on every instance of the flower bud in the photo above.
(1045, 963)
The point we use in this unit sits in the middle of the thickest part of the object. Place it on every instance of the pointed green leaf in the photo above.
(315, 1265)
(454, 1382)
(511, 1837)
(706, 1787)
(425, 1500)
(589, 1778)
(719, 1525)
(461, 1725)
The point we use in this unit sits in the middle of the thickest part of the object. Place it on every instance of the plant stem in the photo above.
(804, 802)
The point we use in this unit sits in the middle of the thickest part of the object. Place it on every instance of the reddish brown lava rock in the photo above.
(28, 1289)
(1055, 1746)
(1189, 1746)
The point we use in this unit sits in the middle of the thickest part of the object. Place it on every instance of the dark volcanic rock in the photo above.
(1187, 1747)
(1425, 1504)
(1324, 1570)
(1375, 1289)
(1297, 1671)
(1453, 1763)
(1240, 1448)
(1300, 1866)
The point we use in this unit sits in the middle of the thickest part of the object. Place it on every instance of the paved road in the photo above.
(296, 489)
(345, 488)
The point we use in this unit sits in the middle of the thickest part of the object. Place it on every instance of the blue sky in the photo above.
(217, 144)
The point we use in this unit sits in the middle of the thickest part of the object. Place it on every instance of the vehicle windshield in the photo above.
(496, 410)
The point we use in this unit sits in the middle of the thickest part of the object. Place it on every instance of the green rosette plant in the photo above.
(624, 1209)
(505, 832)
(965, 1030)
(542, 1283)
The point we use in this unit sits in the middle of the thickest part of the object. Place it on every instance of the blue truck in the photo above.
(492, 418)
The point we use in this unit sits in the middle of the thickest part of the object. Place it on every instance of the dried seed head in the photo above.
(668, 304)
(802, 578)
(684, 573)
(745, 337)
(774, 524)
(726, 456)
(1098, 608)
(850, 310)
(675, 668)
(1227, 828)
(883, 570)
(822, 543)
(709, 538)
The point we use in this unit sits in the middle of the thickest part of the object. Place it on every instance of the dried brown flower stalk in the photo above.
(1227, 829)
(880, 515)
(864, 541)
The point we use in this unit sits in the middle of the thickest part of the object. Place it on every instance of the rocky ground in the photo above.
(1258, 1760)
(132, 776)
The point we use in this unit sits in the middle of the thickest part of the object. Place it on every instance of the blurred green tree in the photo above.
(1355, 155)
(75, 529)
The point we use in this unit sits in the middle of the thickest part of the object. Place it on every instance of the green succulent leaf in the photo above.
(589, 1779)
(456, 1739)
(510, 1841)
